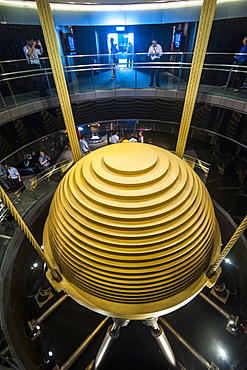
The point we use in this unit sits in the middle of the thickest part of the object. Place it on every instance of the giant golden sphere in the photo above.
(132, 231)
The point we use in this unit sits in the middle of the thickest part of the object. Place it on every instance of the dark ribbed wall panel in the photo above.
(139, 108)
(220, 120)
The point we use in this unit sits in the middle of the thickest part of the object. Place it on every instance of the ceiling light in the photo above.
(71, 6)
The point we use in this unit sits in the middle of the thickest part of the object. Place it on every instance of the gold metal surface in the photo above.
(132, 231)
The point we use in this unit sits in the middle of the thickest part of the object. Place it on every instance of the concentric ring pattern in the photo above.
(131, 224)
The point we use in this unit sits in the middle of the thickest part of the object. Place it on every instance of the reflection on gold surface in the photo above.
(132, 231)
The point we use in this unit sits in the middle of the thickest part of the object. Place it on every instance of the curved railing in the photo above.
(155, 132)
(37, 188)
(45, 183)
(93, 72)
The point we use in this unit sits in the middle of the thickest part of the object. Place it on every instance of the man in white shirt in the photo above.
(155, 52)
(15, 177)
(115, 138)
(32, 50)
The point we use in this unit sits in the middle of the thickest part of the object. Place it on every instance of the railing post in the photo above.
(180, 70)
(135, 67)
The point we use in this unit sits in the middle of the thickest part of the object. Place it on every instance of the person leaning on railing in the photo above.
(241, 60)
(44, 161)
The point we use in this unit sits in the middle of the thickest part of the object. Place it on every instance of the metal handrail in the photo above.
(124, 53)
(105, 66)
(34, 181)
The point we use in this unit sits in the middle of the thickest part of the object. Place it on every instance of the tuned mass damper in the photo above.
(132, 231)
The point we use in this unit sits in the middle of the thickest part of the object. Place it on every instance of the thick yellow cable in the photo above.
(204, 28)
(27, 232)
(48, 28)
(228, 247)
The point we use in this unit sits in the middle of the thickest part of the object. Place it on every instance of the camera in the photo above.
(36, 44)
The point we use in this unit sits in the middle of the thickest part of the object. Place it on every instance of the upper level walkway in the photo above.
(89, 77)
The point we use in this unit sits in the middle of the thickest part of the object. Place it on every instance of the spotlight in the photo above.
(227, 260)
(222, 354)
(231, 326)
(50, 353)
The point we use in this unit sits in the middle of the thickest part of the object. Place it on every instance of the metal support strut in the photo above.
(114, 331)
(163, 343)
(111, 334)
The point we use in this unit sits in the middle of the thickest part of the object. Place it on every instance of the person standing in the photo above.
(241, 60)
(32, 50)
(66, 139)
(84, 146)
(4, 178)
(115, 138)
(15, 177)
(155, 52)
(44, 161)
(141, 137)
(113, 58)
(130, 56)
